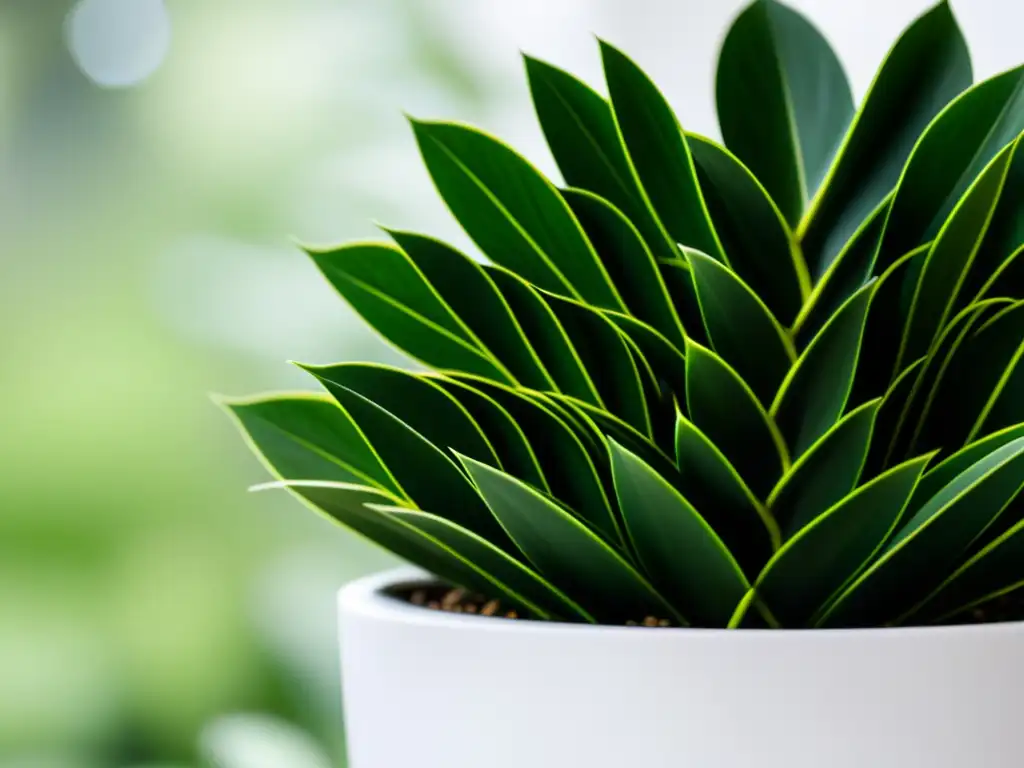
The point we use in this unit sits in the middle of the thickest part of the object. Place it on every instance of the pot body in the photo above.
(425, 689)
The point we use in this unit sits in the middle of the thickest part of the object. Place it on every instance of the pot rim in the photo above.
(365, 597)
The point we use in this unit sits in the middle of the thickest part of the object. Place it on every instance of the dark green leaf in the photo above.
(825, 473)
(467, 290)
(308, 437)
(949, 157)
(714, 487)
(926, 68)
(629, 262)
(756, 239)
(997, 567)
(606, 358)
(679, 280)
(724, 408)
(924, 549)
(814, 394)
(514, 577)
(568, 467)
(742, 329)
(875, 371)
(416, 400)
(829, 552)
(658, 152)
(665, 359)
(503, 432)
(512, 212)
(847, 274)
(887, 420)
(565, 551)
(392, 295)
(950, 257)
(581, 132)
(545, 335)
(784, 103)
(424, 471)
(685, 559)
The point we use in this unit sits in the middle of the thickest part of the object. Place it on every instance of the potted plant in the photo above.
(717, 459)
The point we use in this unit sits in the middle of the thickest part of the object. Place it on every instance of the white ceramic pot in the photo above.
(425, 689)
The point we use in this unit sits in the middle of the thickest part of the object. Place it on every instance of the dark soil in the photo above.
(1009, 607)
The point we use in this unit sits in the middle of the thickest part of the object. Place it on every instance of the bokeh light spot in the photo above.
(118, 43)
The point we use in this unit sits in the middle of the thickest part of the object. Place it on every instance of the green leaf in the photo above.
(679, 280)
(515, 578)
(983, 369)
(503, 432)
(784, 102)
(847, 274)
(950, 257)
(948, 469)
(568, 468)
(424, 471)
(814, 394)
(725, 409)
(471, 295)
(950, 155)
(658, 153)
(921, 553)
(580, 130)
(387, 290)
(875, 371)
(888, 419)
(606, 358)
(714, 487)
(825, 473)
(546, 336)
(629, 262)
(308, 437)
(665, 359)
(1002, 244)
(416, 400)
(753, 233)
(997, 567)
(831, 550)
(926, 68)
(566, 552)
(512, 212)
(742, 329)
(685, 559)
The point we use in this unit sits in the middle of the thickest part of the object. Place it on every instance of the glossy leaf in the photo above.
(832, 549)
(754, 235)
(658, 153)
(393, 296)
(679, 280)
(516, 579)
(924, 549)
(714, 487)
(825, 473)
(580, 130)
(424, 471)
(741, 328)
(628, 261)
(926, 68)
(569, 470)
(685, 559)
(308, 437)
(814, 394)
(950, 257)
(347, 504)
(888, 419)
(566, 552)
(784, 102)
(545, 335)
(416, 400)
(950, 155)
(665, 359)
(512, 212)
(724, 408)
(472, 296)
